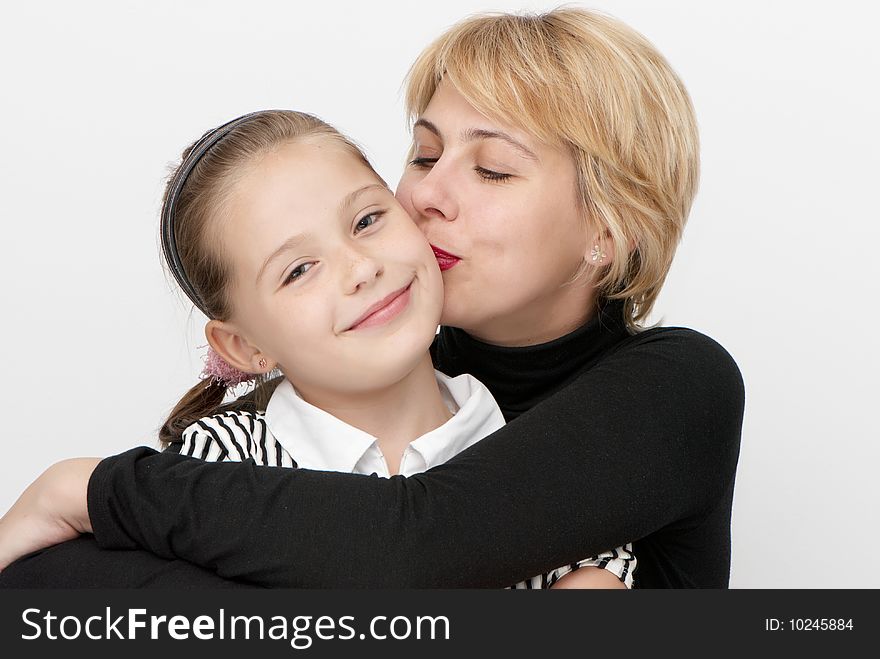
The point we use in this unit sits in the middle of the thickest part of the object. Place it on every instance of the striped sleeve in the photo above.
(234, 437)
(620, 562)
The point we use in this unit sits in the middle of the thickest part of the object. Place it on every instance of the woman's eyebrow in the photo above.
(472, 134)
(427, 125)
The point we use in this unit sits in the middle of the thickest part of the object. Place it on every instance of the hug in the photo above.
(544, 437)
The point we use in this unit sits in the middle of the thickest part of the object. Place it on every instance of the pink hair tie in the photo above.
(219, 371)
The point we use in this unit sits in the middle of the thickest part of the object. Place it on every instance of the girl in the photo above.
(280, 231)
(554, 162)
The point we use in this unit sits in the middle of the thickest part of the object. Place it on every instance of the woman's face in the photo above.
(331, 278)
(501, 211)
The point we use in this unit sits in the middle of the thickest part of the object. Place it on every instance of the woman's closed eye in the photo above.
(491, 175)
(483, 172)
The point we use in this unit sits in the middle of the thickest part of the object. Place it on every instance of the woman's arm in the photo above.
(646, 439)
(81, 563)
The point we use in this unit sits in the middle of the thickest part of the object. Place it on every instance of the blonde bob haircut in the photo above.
(586, 82)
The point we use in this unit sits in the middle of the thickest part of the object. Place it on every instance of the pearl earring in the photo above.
(597, 254)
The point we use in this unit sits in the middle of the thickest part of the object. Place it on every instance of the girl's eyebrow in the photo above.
(351, 197)
(472, 134)
(288, 244)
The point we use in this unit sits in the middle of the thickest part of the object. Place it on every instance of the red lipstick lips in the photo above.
(444, 259)
(384, 310)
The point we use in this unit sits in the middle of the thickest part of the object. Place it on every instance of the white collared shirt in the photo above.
(318, 440)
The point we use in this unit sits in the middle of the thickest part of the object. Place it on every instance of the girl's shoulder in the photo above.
(231, 422)
(233, 435)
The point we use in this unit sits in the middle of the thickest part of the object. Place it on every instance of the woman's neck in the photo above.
(541, 321)
(397, 414)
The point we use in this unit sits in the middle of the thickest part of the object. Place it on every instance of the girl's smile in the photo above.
(384, 311)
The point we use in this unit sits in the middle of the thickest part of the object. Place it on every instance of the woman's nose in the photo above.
(432, 197)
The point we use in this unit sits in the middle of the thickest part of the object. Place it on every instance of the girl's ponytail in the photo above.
(204, 399)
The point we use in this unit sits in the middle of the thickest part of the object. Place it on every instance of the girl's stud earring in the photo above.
(597, 254)
(262, 362)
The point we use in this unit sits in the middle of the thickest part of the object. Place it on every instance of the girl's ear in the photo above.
(228, 342)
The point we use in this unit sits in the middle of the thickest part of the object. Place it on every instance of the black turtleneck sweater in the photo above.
(612, 438)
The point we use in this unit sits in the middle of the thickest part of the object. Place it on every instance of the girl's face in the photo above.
(501, 211)
(332, 280)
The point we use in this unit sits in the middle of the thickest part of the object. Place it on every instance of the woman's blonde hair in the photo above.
(589, 83)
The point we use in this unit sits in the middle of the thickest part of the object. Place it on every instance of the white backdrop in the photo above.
(779, 261)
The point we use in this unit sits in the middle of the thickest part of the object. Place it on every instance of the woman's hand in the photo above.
(52, 509)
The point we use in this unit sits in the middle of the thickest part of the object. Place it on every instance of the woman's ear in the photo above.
(599, 250)
(228, 342)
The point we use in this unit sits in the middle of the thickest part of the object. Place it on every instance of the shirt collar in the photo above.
(314, 438)
(478, 415)
(318, 440)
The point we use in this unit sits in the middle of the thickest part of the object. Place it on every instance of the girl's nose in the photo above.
(363, 270)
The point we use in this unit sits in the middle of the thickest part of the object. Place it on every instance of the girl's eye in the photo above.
(367, 221)
(299, 271)
(489, 175)
(422, 162)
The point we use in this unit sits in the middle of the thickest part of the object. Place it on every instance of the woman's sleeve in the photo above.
(647, 437)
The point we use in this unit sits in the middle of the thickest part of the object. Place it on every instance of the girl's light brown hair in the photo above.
(198, 215)
(588, 83)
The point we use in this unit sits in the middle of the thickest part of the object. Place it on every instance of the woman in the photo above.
(553, 166)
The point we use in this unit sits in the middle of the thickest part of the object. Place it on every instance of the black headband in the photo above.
(169, 243)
